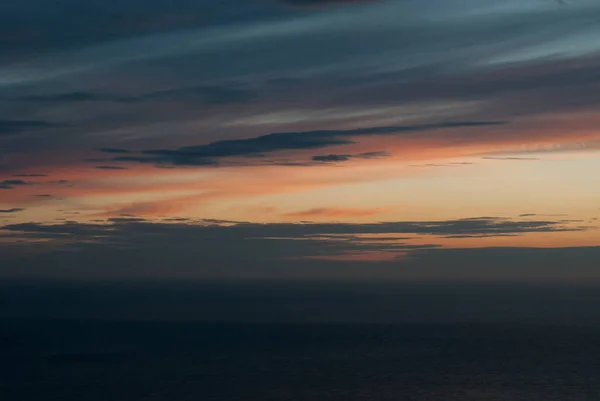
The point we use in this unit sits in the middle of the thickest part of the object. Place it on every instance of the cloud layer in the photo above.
(312, 110)
(209, 154)
(214, 248)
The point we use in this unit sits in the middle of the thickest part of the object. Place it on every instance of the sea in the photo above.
(130, 357)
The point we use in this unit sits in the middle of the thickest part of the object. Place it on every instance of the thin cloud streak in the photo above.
(337, 212)
(13, 210)
(217, 247)
(203, 155)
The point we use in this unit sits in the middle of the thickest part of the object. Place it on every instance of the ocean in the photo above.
(82, 360)
(297, 343)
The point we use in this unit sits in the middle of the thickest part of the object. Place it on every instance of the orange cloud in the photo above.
(337, 212)
(146, 190)
(146, 209)
(361, 256)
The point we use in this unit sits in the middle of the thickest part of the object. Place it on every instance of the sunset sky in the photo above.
(429, 139)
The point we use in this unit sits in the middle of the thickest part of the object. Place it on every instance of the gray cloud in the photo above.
(74, 97)
(126, 219)
(509, 158)
(457, 55)
(208, 248)
(111, 168)
(13, 210)
(333, 158)
(283, 43)
(324, 3)
(509, 91)
(210, 95)
(114, 150)
(175, 158)
(124, 226)
(11, 127)
(69, 25)
(209, 153)
(10, 184)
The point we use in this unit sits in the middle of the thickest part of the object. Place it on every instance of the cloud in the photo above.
(74, 97)
(336, 212)
(13, 210)
(172, 157)
(208, 154)
(126, 220)
(345, 157)
(509, 158)
(331, 158)
(59, 182)
(114, 150)
(30, 175)
(111, 168)
(207, 248)
(145, 209)
(24, 26)
(453, 60)
(490, 226)
(10, 184)
(372, 155)
(12, 127)
(450, 164)
(324, 3)
(209, 94)
(278, 39)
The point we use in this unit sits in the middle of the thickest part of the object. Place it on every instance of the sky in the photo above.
(205, 139)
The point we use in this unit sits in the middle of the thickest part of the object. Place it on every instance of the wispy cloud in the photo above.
(13, 127)
(509, 158)
(111, 168)
(490, 226)
(324, 3)
(114, 150)
(146, 209)
(209, 94)
(13, 210)
(208, 154)
(337, 212)
(10, 184)
(30, 175)
(334, 158)
(204, 244)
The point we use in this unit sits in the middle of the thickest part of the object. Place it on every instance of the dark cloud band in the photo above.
(209, 154)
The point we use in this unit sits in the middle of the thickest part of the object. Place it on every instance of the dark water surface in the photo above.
(94, 360)
(299, 341)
